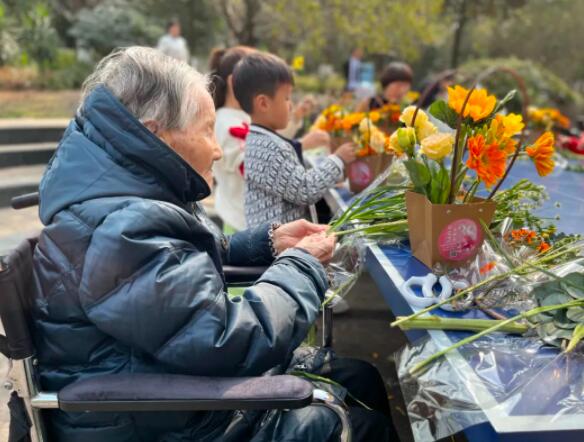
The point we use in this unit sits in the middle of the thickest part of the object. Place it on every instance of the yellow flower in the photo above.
(479, 106)
(394, 144)
(374, 116)
(298, 63)
(437, 146)
(512, 124)
(351, 120)
(412, 96)
(406, 138)
(425, 130)
(408, 114)
(377, 140)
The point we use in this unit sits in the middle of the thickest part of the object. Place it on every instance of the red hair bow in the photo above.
(239, 131)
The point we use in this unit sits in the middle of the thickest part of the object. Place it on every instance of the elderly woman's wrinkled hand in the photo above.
(288, 235)
(320, 245)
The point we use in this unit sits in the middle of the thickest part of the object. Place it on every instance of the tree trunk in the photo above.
(461, 22)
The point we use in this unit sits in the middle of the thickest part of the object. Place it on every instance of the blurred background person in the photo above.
(396, 81)
(352, 69)
(173, 44)
(231, 128)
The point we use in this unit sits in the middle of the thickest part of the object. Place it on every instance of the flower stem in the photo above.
(476, 325)
(372, 228)
(500, 324)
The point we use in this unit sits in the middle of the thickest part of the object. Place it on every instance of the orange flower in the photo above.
(487, 267)
(543, 247)
(488, 161)
(479, 106)
(541, 152)
(523, 236)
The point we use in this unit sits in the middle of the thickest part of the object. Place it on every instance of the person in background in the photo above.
(277, 186)
(352, 69)
(172, 44)
(396, 82)
(231, 129)
(314, 138)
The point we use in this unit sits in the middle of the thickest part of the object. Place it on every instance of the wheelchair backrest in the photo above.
(17, 290)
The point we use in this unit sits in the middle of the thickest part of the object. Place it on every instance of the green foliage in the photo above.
(553, 327)
(8, 45)
(202, 25)
(326, 32)
(112, 24)
(544, 87)
(66, 72)
(38, 38)
(312, 83)
(439, 109)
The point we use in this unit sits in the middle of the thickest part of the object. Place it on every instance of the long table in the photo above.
(531, 417)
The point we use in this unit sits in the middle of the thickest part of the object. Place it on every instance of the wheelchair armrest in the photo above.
(166, 392)
(242, 275)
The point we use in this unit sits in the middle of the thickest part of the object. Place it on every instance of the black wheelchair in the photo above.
(133, 392)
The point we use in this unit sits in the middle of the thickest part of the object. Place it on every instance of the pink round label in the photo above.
(360, 173)
(459, 240)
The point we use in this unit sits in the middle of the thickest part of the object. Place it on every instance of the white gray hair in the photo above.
(151, 85)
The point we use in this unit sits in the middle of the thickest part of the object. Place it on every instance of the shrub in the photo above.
(544, 87)
(312, 83)
(113, 24)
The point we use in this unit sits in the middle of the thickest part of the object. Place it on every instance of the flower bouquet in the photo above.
(374, 155)
(448, 168)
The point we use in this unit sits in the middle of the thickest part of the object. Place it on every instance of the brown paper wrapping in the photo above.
(446, 233)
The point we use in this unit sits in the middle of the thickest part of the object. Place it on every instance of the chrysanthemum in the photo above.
(487, 160)
(541, 152)
(479, 106)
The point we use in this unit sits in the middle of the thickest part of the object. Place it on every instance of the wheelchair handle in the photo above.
(24, 201)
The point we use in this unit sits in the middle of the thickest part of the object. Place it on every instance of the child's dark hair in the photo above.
(221, 63)
(396, 71)
(259, 73)
(172, 22)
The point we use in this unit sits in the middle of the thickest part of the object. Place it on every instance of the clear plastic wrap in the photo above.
(346, 265)
(515, 383)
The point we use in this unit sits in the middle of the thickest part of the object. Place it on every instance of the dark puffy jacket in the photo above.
(130, 280)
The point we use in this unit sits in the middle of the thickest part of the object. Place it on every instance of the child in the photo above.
(278, 187)
(231, 128)
(396, 81)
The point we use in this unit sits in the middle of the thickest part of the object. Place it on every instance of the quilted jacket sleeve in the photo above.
(147, 286)
(250, 247)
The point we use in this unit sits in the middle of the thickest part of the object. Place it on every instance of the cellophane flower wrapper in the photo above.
(498, 375)
(513, 293)
(348, 259)
(346, 265)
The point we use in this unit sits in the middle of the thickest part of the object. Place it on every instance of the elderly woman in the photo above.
(129, 270)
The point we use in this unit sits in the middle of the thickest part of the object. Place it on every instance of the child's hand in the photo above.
(320, 245)
(346, 152)
(315, 138)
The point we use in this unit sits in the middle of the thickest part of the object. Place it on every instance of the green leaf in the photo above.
(440, 109)
(506, 99)
(556, 299)
(550, 334)
(575, 314)
(573, 284)
(561, 320)
(419, 174)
